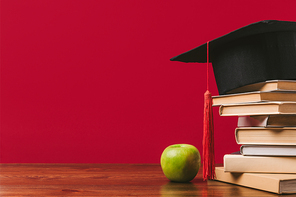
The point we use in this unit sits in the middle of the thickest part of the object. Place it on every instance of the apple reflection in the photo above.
(178, 189)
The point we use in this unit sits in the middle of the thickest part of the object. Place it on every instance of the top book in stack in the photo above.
(257, 96)
(271, 85)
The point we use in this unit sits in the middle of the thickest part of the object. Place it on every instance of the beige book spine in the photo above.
(248, 180)
(239, 163)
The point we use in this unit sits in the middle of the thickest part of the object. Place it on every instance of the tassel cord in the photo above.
(208, 132)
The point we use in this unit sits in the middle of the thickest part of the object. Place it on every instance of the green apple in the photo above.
(180, 162)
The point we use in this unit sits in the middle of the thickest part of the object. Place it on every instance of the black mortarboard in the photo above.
(261, 51)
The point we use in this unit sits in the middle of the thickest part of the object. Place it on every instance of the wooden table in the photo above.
(107, 180)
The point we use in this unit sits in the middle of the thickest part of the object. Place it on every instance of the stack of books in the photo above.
(267, 134)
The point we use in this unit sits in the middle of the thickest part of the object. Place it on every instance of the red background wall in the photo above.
(91, 81)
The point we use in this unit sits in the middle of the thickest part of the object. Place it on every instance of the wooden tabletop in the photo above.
(108, 180)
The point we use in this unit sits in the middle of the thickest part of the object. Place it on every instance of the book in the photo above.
(254, 97)
(268, 150)
(276, 183)
(267, 121)
(259, 164)
(278, 85)
(259, 108)
(266, 135)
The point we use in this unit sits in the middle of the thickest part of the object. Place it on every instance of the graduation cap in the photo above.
(261, 51)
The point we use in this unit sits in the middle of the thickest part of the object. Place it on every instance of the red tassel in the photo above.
(208, 132)
(208, 139)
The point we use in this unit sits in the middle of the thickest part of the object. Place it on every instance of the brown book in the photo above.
(260, 108)
(276, 183)
(278, 85)
(254, 97)
(259, 164)
(267, 121)
(266, 135)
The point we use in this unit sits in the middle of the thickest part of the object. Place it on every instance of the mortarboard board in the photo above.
(261, 51)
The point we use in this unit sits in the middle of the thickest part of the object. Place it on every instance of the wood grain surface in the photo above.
(108, 180)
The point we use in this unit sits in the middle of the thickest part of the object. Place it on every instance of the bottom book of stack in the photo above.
(276, 183)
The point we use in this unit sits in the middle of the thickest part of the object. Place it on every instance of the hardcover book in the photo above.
(259, 108)
(259, 164)
(266, 135)
(268, 150)
(255, 97)
(277, 85)
(276, 183)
